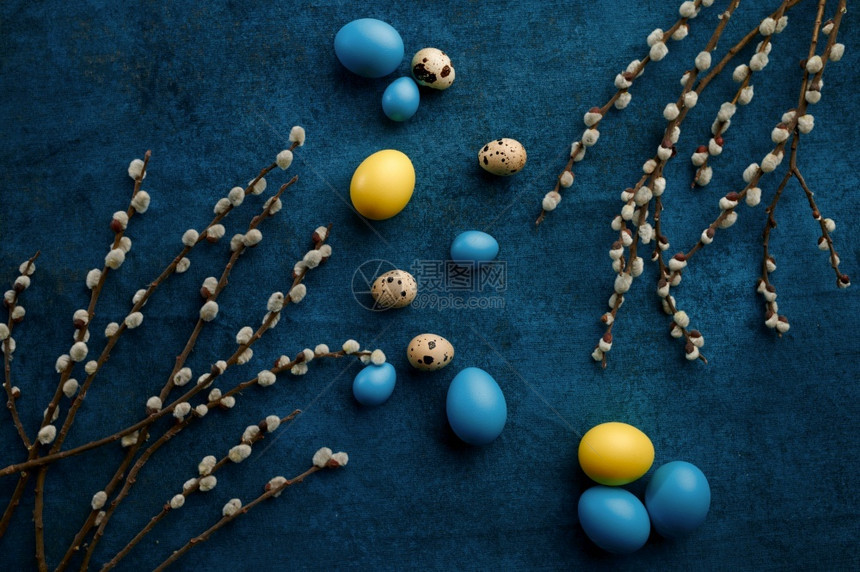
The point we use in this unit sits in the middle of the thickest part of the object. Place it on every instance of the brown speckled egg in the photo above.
(429, 352)
(394, 289)
(502, 156)
(432, 67)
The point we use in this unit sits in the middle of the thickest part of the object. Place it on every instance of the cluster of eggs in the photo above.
(677, 498)
(475, 405)
(382, 186)
(372, 48)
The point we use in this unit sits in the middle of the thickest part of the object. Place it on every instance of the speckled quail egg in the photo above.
(429, 352)
(432, 67)
(502, 156)
(394, 289)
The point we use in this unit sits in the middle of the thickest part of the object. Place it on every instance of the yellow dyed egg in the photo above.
(615, 453)
(383, 184)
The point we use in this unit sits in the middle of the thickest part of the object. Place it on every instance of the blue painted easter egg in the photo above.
(474, 246)
(476, 406)
(374, 384)
(614, 519)
(678, 498)
(369, 47)
(400, 99)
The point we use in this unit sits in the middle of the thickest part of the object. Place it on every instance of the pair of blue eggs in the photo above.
(475, 405)
(373, 48)
(677, 501)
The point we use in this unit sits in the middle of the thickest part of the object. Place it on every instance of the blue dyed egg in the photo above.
(369, 47)
(614, 519)
(476, 406)
(400, 99)
(474, 246)
(374, 384)
(678, 498)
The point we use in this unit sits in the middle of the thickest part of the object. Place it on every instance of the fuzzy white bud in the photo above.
(252, 237)
(751, 172)
(47, 434)
(99, 500)
(133, 320)
(805, 123)
(691, 98)
(236, 196)
(182, 377)
(266, 378)
(704, 176)
(814, 64)
(272, 423)
(209, 311)
(658, 51)
(232, 507)
(671, 112)
(703, 60)
(135, 169)
(297, 293)
(208, 483)
(284, 159)
(239, 453)
(322, 457)
(623, 100)
(590, 137)
(729, 220)
(276, 302)
(312, 258)
(836, 52)
(245, 334)
(758, 61)
(78, 351)
(770, 162)
(177, 501)
(591, 118)
(297, 135)
(114, 258)
(767, 27)
(70, 387)
(181, 410)
(140, 201)
(687, 9)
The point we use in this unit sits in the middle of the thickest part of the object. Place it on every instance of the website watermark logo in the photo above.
(362, 283)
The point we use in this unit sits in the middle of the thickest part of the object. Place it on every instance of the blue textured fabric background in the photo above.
(212, 88)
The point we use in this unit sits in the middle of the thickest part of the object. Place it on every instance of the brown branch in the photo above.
(26, 270)
(764, 281)
(841, 279)
(203, 537)
(119, 232)
(791, 126)
(721, 124)
(169, 384)
(186, 492)
(630, 76)
(733, 51)
(765, 287)
(668, 144)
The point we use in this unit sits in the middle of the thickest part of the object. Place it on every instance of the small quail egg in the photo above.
(429, 352)
(502, 156)
(432, 67)
(394, 289)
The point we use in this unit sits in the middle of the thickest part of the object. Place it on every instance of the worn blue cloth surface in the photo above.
(213, 88)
